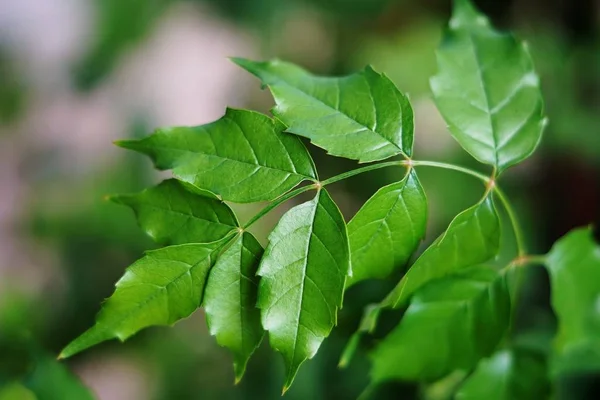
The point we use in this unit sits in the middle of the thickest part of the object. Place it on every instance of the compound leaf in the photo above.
(230, 300)
(171, 214)
(473, 237)
(243, 157)
(451, 323)
(574, 267)
(361, 116)
(161, 288)
(303, 272)
(512, 374)
(387, 229)
(487, 90)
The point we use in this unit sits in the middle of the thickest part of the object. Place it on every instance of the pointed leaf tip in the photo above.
(125, 143)
(242, 157)
(230, 299)
(184, 267)
(301, 286)
(171, 213)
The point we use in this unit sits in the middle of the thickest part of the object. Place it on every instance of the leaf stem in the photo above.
(278, 201)
(489, 181)
(521, 250)
(367, 168)
(436, 164)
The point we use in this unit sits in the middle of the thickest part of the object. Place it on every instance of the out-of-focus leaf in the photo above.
(473, 237)
(368, 323)
(161, 288)
(303, 272)
(361, 116)
(16, 391)
(450, 324)
(508, 375)
(51, 380)
(230, 300)
(13, 91)
(119, 24)
(574, 267)
(171, 214)
(243, 157)
(387, 229)
(487, 90)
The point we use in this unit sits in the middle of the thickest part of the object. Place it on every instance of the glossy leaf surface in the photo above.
(487, 90)
(161, 288)
(303, 272)
(171, 214)
(451, 323)
(507, 375)
(230, 300)
(387, 229)
(574, 267)
(473, 237)
(361, 116)
(242, 157)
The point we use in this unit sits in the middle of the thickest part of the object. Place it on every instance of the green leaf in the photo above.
(368, 323)
(513, 374)
(16, 391)
(574, 267)
(51, 380)
(451, 323)
(171, 214)
(473, 237)
(361, 116)
(303, 273)
(243, 157)
(387, 229)
(487, 90)
(161, 288)
(230, 300)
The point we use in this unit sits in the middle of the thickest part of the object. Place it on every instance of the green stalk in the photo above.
(436, 164)
(490, 183)
(521, 251)
(278, 201)
(357, 171)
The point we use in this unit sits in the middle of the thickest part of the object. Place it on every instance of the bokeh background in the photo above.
(77, 74)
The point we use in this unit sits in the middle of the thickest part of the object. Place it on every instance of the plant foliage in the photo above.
(456, 300)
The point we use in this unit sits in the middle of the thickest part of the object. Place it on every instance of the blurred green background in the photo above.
(77, 74)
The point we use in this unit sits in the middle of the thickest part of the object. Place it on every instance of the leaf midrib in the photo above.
(305, 267)
(341, 112)
(485, 96)
(188, 216)
(165, 287)
(197, 153)
(380, 222)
